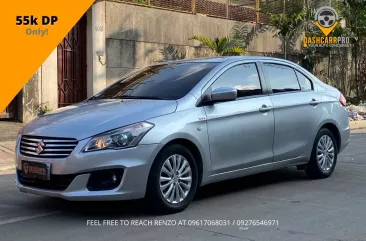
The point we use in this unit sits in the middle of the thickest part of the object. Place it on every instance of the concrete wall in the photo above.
(41, 90)
(31, 98)
(49, 81)
(138, 36)
(122, 38)
(95, 41)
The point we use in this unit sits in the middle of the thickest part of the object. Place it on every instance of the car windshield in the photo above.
(169, 81)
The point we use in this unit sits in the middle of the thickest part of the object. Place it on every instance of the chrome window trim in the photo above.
(296, 67)
(311, 82)
(230, 65)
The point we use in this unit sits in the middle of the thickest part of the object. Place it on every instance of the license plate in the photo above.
(36, 170)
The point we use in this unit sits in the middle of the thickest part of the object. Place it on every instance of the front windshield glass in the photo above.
(164, 81)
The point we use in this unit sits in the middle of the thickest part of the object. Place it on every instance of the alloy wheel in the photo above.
(175, 178)
(325, 153)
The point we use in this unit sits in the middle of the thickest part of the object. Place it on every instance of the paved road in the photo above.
(330, 209)
(9, 130)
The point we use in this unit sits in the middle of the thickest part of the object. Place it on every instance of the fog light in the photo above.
(104, 179)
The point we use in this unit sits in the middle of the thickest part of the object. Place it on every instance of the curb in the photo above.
(357, 124)
(7, 168)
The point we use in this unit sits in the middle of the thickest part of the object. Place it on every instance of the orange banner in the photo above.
(30, 31)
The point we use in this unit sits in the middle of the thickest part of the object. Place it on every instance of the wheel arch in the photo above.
(332, 127)
(193, 148)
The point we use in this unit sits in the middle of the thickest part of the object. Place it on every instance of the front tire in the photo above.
(173, 180)
(324, 155)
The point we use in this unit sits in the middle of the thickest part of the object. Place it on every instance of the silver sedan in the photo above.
(164, 131)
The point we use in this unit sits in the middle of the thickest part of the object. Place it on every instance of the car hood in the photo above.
(92, 117)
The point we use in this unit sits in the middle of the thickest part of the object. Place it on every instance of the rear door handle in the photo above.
(314, 102)
(265, 108)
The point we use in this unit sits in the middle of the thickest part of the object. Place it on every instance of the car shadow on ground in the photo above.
(243, 184)
(141, 209)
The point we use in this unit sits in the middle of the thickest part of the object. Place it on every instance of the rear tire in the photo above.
(323, 156)
(173, 180)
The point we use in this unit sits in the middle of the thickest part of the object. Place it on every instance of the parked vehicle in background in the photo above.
(170, 128)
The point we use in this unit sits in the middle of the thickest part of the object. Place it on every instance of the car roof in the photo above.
(230, 59)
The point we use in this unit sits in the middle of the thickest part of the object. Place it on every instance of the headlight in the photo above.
(124, 137)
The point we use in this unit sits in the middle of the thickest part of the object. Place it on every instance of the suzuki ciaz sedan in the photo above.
(164, 131)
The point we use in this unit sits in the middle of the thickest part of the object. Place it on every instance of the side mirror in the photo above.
(224, 94)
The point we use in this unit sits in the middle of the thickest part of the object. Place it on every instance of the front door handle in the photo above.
(314, 102)
(265, 108)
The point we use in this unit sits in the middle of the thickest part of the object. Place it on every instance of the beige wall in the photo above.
(49, 81)
(137, 36)
(122, 38)
(96, 69)
(41, 90)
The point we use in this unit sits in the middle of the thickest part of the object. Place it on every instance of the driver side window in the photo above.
(243, 77)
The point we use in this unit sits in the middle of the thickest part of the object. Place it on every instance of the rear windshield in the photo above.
(165, 81)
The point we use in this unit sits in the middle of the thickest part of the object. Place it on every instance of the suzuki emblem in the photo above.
(39, 147)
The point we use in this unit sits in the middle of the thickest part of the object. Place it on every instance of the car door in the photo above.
(297, 110)
(240, 131)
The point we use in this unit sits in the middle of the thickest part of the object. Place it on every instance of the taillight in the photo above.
(342, 100)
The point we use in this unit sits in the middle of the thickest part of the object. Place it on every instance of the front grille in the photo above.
(56, 182)
(47, 147)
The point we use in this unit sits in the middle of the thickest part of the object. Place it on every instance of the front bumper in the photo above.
(136, 164)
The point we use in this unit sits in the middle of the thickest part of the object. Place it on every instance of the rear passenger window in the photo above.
(305, 83)
(242, 77)
(281, 78)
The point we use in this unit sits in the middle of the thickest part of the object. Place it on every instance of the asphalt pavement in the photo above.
(298, 209)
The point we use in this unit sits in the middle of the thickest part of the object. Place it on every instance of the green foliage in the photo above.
(143, 2)
(354, 11)
(281, 6)
(43, 109)
(236, 50)
(224, 46)
(298, 19)
(312, 56)
(289, 26)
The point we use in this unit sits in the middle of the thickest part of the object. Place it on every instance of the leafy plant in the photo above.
(43, 109)
(144, 2)
(224, 46)
(354, 11)
(288, 26)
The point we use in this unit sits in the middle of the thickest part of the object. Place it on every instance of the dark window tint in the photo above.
(165, 81)
(281, 78)
(243, 77)
(304, 82)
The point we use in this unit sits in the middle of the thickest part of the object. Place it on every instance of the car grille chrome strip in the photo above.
(47, 147)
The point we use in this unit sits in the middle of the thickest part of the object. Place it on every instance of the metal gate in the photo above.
(11, 110)
(71, 65)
